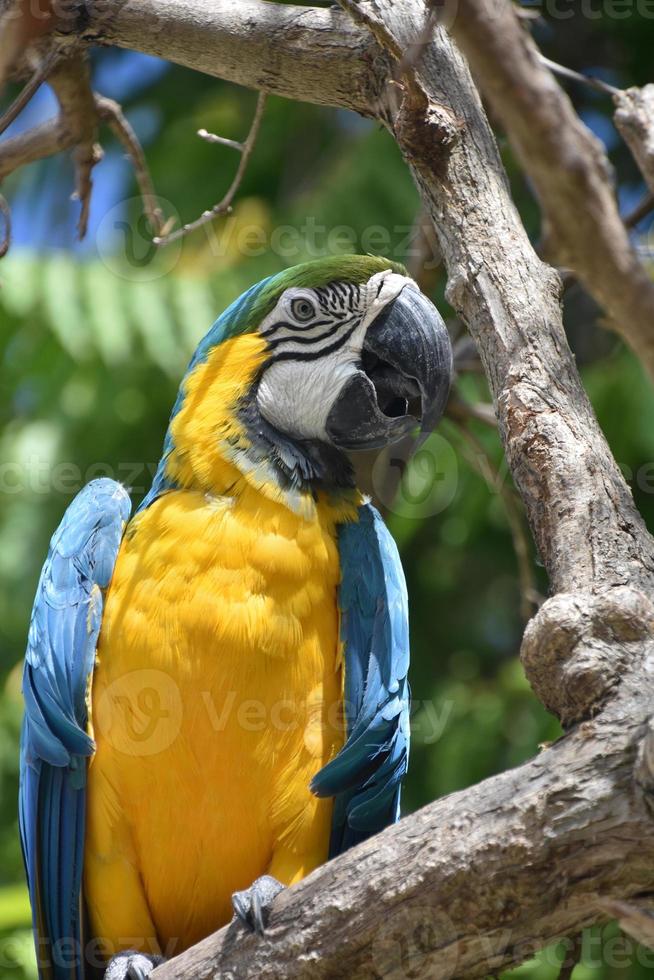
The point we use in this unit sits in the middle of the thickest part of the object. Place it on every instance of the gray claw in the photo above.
(131, 965)
(252, 905)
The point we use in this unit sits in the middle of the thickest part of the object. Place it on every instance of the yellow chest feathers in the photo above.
(217, 697)
(213, 575)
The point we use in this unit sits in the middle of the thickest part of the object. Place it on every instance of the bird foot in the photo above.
(131, 965)
(252, 906)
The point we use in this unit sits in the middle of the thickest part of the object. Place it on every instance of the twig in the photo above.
(111, 113)
(529, 596)
(639, 212)
(213, 138)
(572, 958)
(5, 211)
(225, 205)
(76, 127)
(28, 90)
(590, 80)
(72, 86)
(637, 920)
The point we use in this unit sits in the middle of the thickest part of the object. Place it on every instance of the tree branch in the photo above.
(71, 82)
(26, 93)
(111, 113)
(308, 54)
(41, 141)
(471, 884)
(224, 206)
(634, 117)
(567, 164)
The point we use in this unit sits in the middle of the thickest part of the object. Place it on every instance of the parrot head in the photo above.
(335, 355)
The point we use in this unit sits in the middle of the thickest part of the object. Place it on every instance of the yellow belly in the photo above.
(216, 697)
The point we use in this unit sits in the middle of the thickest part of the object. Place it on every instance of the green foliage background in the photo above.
(92, 346)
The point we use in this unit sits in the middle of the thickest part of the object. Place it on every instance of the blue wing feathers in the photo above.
(55, 744)
(365, 777)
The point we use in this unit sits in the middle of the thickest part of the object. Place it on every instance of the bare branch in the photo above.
(640, 211)
(273, 54)
(364, 18)
(411, 58)
(595, 83)
(633, 918)
(76, 128)
(224, 206)
(212, 138)
(27, 91)
(111, 113)
(634, 117)
(567, 165)
(5, 241)
(42, 141)
(71, 82)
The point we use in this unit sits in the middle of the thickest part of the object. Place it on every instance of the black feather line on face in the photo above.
(287, 355)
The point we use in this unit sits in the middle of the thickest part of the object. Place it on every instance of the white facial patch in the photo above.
(316, 338)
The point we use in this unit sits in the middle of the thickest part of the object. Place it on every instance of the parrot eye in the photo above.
(303, 310)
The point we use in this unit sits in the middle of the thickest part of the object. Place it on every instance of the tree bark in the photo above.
(471, 884)
(567, 164)
(479, 880)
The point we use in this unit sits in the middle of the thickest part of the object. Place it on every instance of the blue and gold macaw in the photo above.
(216, 695)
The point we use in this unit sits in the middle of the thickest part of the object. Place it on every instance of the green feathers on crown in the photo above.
(346, 268)
(253, 306)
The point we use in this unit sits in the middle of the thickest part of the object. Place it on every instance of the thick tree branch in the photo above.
(307, 54)
(567, 165)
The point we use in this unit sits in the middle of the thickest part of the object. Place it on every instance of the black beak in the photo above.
(404, 378)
